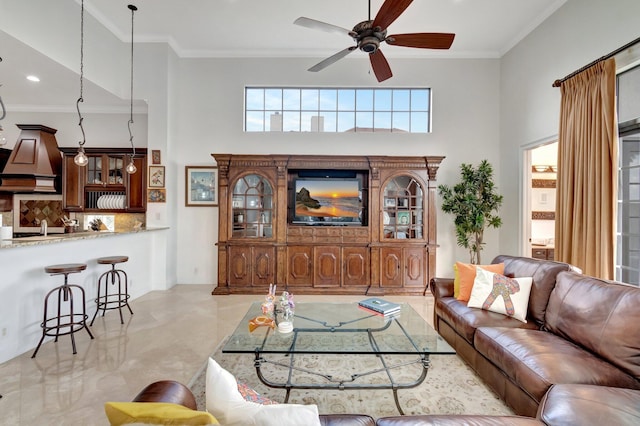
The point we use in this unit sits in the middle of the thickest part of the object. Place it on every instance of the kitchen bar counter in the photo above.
(36, 240)
(25, 283)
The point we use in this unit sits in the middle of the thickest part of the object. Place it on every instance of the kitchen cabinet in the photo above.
(104, 176)
(265, 235)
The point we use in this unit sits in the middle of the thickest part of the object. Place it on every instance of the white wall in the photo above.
(102, 130)
(578, 33)
(209, 119)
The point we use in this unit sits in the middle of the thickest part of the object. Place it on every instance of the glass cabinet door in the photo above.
(403, 208)
(252, 207)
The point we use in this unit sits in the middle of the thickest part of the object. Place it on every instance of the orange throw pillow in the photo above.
(467, 275)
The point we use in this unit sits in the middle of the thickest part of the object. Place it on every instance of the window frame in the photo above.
(353, 109)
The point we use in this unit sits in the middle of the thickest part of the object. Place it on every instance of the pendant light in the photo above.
(81, 158)
(3, 114)
(131, 168)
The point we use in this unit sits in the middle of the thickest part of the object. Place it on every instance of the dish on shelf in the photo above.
(386, 219)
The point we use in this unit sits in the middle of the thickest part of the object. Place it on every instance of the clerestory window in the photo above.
(291, 109)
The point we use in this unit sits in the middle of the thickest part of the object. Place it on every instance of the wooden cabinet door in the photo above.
(414, 259)
(72, 185)
(356, 266)
(239, 266)
(300, 266)
(263, 260)
(327, 267)
(391, 267)
(136, 187)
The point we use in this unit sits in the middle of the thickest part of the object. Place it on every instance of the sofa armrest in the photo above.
(441, 287)
(167, 391)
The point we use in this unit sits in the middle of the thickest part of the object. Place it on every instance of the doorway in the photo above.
(541, 166)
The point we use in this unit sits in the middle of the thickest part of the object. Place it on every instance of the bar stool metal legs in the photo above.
(64, 323)
(113, 277)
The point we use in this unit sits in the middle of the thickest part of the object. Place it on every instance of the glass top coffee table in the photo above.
(341, 329)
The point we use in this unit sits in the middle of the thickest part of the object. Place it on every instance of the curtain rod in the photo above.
(557, 83)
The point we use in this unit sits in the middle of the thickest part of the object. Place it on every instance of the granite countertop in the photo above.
(37, 240)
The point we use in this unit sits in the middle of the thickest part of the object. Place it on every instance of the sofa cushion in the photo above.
(465, 320)
(544, 274)
(465, 274)
(536, 359)
(590, 405)
(225, 402)
(601, 316)
(500, 294)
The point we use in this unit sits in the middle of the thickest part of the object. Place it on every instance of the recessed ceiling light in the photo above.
(33, 78)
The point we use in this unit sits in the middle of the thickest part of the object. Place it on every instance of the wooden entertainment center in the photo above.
(374, 233)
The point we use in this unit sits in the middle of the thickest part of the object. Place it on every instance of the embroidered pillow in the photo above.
(466, 273)
(497, 293)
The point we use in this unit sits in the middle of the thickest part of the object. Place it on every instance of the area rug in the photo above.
(451, 387)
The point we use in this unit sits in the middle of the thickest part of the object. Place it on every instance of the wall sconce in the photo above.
(81, 158)
(131, 167)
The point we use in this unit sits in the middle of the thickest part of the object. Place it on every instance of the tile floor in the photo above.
(170, 336)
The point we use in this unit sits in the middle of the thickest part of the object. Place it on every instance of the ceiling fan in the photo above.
(370, 33)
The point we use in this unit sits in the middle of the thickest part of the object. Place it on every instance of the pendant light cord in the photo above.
(80, 99)
(133, 9)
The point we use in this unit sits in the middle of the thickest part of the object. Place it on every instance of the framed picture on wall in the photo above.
(156, 195)
(201, 186)
(155, 156)
(156, 176)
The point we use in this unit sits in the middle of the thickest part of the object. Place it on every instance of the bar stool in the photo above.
(64, 323)
(106, 301)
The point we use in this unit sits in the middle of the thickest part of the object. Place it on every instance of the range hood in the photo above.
(35, 164)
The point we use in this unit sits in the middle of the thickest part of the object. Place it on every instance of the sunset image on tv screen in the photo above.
(328, 198)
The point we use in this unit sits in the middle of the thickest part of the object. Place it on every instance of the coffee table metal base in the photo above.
(341, 383)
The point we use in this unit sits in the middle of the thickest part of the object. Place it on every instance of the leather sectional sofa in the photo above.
(579, 330)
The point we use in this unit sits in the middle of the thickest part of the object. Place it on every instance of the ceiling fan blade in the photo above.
(389, 12)
(380, 66)
(331, 59)
(422, 40)
(322, 26)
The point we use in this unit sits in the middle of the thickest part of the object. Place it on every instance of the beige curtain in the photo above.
(587, 171)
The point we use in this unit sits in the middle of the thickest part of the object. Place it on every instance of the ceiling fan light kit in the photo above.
(370, 33)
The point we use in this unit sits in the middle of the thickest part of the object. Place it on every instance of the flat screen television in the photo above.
(327, 201)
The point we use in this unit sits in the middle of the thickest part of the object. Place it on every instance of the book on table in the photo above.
(380, 306)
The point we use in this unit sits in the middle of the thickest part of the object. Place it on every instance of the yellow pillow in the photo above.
(466, 272)
(157, 413)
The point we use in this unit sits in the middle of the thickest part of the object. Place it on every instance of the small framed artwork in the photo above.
(155, 156)
(156, 176)
(389, 202)
(156, 195)
(403, 218)
(201, 186)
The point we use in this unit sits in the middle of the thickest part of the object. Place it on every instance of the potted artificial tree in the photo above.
(474, 202)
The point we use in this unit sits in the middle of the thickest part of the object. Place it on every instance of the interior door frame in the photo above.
(526, 193)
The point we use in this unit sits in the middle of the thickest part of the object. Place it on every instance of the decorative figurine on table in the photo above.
(268, 314)
(286, 310)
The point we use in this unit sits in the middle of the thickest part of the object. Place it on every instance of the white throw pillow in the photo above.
(228, 406)
(497, 293)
